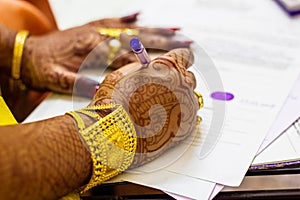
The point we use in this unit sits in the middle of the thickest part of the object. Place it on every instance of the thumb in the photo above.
(85, 87)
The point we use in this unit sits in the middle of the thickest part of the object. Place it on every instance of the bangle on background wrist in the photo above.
(17, 58)
(111, 141)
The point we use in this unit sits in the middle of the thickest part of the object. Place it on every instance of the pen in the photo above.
(139, 50)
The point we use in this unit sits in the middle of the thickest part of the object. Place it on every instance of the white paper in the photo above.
(284, 148)
(242, 38)
(174, 183)
(282, 140)
(256, 64)
(288, 114)
(216, 190)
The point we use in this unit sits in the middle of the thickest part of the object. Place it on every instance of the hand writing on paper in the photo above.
(159, 99)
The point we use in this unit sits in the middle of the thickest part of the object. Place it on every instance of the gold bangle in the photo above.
(15, 83)
(18, 52)
(111, 141)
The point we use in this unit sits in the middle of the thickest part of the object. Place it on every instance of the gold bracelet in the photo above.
(15, 83)
(18, 52)
(111, 141)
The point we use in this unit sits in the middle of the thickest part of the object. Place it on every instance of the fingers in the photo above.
(123, 22)
(113, 23)
(130, 68)
(130, 18)
(152, 38)
(180, 59)
(99, 57)
(85, 87)
(107, 86)
(124, 57)
(162, 43)
(159, 31)
(190, 79)
(156, 39)
(71, 83)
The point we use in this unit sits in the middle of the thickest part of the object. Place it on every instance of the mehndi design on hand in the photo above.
(159, 99)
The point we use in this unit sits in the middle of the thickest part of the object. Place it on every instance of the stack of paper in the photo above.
(250, 50)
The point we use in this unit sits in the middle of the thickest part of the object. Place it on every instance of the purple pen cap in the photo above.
(136, 45)
(139, 50)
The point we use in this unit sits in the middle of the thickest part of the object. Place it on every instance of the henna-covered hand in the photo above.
(159, 99)
(51, 61)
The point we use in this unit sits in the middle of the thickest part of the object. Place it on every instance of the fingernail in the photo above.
(130, 18)
(188, 42)
(174, 28)
(85, 87)
(96, 88)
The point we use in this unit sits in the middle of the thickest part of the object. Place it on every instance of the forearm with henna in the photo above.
(42, 160)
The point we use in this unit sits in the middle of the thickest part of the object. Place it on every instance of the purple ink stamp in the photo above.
(223, 96)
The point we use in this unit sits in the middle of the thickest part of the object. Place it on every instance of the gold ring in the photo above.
(114, 46)
(200, 99)
(116, 32)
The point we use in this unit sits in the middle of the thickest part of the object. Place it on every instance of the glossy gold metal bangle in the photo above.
(17, 54)
(111, 140)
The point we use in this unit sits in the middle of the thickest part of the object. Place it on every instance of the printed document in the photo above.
(253, 46)
(257, 62)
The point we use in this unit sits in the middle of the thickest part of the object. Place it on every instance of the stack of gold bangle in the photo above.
(17, 59)
(111, 141)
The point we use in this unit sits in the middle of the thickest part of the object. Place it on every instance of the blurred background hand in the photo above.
(51, 61)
